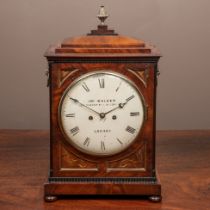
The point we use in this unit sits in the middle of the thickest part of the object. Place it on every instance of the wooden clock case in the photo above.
(131, 172)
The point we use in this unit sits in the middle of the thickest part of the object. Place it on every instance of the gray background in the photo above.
(180, 29)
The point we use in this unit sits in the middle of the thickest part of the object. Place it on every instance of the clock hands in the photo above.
(103, 114)
(77, 102)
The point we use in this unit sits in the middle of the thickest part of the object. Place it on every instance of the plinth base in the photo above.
(58, 186)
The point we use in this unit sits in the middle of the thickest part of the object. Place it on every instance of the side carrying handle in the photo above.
(157, 75)
(48, 79)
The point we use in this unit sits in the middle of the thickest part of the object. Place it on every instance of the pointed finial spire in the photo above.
(102, 15)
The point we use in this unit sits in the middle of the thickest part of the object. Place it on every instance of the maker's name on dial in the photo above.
(101, 102)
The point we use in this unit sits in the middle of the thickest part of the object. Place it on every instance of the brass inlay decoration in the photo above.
(135, 162)
(64, 74)
(70, 162)
(142, 75)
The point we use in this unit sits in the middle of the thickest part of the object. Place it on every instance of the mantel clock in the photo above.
(102, 115)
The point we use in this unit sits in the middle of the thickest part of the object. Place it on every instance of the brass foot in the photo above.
(155, 198)
(50, 198)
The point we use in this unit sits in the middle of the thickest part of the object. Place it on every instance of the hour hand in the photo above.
(120, 106)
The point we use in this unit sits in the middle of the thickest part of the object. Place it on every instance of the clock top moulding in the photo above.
(102, 42)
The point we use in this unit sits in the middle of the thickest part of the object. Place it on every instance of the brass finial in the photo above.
(102, 15)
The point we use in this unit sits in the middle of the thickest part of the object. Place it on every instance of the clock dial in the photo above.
(101, 113)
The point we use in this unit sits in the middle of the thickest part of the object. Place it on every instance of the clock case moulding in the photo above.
(131, 172)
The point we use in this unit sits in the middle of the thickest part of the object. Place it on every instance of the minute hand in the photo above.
(76, 101)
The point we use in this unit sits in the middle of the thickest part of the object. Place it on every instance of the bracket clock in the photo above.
(102, 116)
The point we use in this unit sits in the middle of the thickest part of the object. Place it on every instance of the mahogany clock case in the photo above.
(131, 171)
(95, 165)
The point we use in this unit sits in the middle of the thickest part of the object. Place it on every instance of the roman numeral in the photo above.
(70, 115)
(101, 83)
(134, 114)
(74, 130)
(84, 85)
(87, 142)
(103, 146)
(129, 98)
(119, 141)
(130, 130)
(118, 87)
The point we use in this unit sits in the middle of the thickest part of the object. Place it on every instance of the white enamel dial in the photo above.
(101, 113)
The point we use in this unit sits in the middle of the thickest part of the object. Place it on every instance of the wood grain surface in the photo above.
(65, 158)
(183, 162)
(143, 76)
